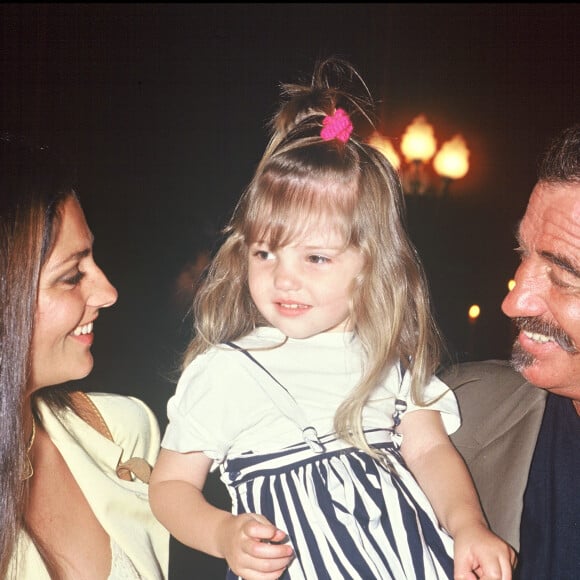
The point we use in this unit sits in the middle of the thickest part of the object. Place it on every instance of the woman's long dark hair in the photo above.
(33, 188)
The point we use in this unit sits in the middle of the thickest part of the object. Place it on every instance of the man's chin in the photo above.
(529, 367)
(521, 359)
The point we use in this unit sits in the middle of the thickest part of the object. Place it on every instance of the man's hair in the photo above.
(561, 160)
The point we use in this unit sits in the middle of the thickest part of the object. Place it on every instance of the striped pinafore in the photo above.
(346, 515)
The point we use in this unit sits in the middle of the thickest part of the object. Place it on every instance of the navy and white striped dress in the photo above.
(346, 515)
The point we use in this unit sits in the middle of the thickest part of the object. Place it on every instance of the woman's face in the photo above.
(72, 289)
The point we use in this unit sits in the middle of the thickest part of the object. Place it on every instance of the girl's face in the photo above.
(72, 289)
(304, 288)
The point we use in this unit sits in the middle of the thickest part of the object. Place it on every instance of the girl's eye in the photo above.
(74, 279)
(263, 254)
(314, 259)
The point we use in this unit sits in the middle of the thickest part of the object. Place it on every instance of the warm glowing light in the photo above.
(418, 142)
(424, 170)
(452, 159)
(511, 284)
(474, 312)
(384, 145)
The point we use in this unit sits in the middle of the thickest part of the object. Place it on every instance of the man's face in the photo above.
(545, 303)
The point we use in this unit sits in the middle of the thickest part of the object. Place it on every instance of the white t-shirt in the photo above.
(221, 404)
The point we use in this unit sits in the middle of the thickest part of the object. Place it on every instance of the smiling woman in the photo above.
(69, 459)
(72, 289)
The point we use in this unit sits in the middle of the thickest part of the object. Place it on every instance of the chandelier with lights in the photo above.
(418, 147)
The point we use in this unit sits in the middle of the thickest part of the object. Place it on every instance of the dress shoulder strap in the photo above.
(286, 403)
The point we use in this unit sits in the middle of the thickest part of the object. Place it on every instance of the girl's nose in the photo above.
(286, 276)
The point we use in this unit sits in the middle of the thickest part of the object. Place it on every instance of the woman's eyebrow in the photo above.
(74, 257)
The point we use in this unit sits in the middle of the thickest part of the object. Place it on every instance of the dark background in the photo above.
(162, 107)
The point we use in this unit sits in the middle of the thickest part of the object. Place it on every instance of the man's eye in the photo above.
(563, 280)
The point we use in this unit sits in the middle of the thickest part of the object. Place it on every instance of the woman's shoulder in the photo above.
(126, 416)
(116, 405)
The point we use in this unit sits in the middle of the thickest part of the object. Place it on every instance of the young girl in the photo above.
(310, 378)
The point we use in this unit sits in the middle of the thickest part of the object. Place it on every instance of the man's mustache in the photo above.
(549, 329)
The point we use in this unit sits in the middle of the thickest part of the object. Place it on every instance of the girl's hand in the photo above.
(480, 554)
(254, 548)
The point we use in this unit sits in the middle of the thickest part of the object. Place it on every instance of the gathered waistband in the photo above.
(236, 469)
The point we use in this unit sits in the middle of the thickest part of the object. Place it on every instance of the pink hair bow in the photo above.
(336, 126)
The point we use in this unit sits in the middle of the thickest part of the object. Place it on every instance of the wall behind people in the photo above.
(164, 107)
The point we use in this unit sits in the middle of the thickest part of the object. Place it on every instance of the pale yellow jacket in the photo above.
(122, 507)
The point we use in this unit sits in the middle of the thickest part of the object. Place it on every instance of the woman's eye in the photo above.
(74, 279)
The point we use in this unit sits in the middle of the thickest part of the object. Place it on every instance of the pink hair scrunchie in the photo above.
(336, 126)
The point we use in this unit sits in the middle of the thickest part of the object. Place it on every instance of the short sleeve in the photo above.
(438, 397)
(203, 413)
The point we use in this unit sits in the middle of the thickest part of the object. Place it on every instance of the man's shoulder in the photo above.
(492, 388)
(493, 374)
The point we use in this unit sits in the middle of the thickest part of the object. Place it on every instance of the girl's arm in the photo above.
(245, 541)
(443, 476)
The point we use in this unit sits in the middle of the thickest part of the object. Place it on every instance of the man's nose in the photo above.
(529, 295)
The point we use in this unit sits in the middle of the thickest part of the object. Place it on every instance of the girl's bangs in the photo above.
(284, 209)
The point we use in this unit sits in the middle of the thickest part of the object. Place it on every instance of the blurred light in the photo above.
(452, 159)
(511, 284)
(385, 146)
(418, 146)
(418, 143)
(473, 312)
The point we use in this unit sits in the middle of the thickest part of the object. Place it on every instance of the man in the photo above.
(521, 442)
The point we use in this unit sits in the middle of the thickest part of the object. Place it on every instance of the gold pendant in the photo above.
(28, 469)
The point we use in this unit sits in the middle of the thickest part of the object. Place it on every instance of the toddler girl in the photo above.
(309, 381)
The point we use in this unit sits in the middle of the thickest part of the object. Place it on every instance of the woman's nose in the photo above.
(103, 294)
(529, 295)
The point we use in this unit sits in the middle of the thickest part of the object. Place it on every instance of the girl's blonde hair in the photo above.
(303, 180)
